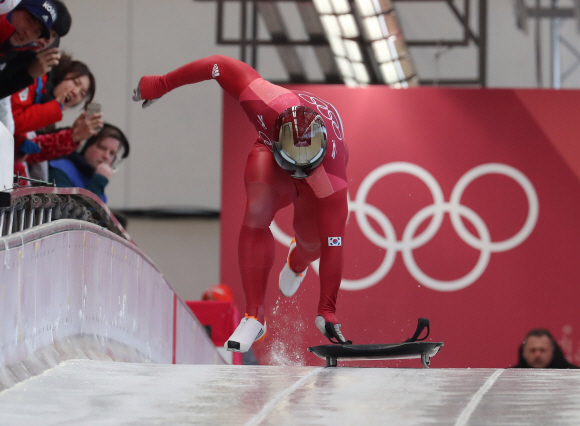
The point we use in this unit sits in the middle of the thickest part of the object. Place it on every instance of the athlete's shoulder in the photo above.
(268, 91)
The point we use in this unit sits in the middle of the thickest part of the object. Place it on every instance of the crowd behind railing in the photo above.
(38, 82)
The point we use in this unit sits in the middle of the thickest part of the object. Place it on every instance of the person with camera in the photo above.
(38, 107)
(20, 67)
(22, 60)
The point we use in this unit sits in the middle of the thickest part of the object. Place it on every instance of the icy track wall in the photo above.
(71, 289)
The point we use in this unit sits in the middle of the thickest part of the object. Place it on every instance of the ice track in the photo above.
(84, 392)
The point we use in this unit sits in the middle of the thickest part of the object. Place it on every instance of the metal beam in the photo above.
(543, 12)
(317, 39)
(463, 20)
(450, 81)
(437, 43)
(277, 29)
(483, 42)
(470, 35)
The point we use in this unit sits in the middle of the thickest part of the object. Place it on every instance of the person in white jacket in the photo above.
(7, 5)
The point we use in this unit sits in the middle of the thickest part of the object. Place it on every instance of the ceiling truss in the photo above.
(250, 43)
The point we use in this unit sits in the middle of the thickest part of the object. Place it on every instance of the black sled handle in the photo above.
(421, 325)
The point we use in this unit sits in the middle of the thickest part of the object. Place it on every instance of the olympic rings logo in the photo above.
(436, 211)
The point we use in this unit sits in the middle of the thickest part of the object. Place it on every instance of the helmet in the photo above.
(299, 141)
(220, 293)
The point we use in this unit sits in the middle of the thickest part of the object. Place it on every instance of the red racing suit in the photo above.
(320, 200)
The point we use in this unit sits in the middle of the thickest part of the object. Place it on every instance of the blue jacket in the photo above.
(74, 171)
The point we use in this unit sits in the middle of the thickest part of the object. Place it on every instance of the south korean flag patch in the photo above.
(334, 241)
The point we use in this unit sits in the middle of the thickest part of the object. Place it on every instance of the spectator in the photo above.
(540, 350)
(21, 68)
(29, 21)
(18, 30)
(21, 73)
(43, 102)
(93, 166)
(51, 145)
(60, 27)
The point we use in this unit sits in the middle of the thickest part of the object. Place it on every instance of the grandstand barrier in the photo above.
(6, 159)
(80, 288)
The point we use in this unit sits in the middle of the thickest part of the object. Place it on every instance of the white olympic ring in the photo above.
(437, 210)
(327, 111)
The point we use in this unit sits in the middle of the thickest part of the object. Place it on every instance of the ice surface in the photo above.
(113, 393)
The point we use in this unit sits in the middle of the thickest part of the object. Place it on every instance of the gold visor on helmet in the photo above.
(300, 141)
(307, 149)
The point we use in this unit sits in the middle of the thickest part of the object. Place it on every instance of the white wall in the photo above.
(7, 158)
(186, 251)
(176, 144)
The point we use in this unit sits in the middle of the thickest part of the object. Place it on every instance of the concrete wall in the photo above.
(186, 250)
(176, 144)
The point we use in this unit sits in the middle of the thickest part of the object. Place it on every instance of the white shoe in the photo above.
(330, 331)
(289, 280)
(249, 331)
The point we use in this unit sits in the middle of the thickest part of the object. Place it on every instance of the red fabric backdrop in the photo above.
(510, 262)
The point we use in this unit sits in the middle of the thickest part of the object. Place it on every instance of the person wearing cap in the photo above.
(21, 28)
(92, 166)
(300, 158)
(29, 21)
(19, 69)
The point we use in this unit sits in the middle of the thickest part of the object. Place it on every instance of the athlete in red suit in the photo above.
(318, 192)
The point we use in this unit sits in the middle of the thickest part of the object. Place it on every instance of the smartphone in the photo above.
(93, 108)
(55, 43)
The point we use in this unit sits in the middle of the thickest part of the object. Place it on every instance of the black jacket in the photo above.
(14, 75)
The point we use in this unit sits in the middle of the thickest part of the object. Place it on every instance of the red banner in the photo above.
(463, 209)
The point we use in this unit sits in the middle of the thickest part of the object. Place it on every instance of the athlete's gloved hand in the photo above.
(137, 97)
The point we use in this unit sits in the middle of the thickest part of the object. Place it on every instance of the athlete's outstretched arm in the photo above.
(232, 75)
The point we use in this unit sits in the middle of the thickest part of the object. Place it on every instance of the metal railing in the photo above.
(34, 206)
